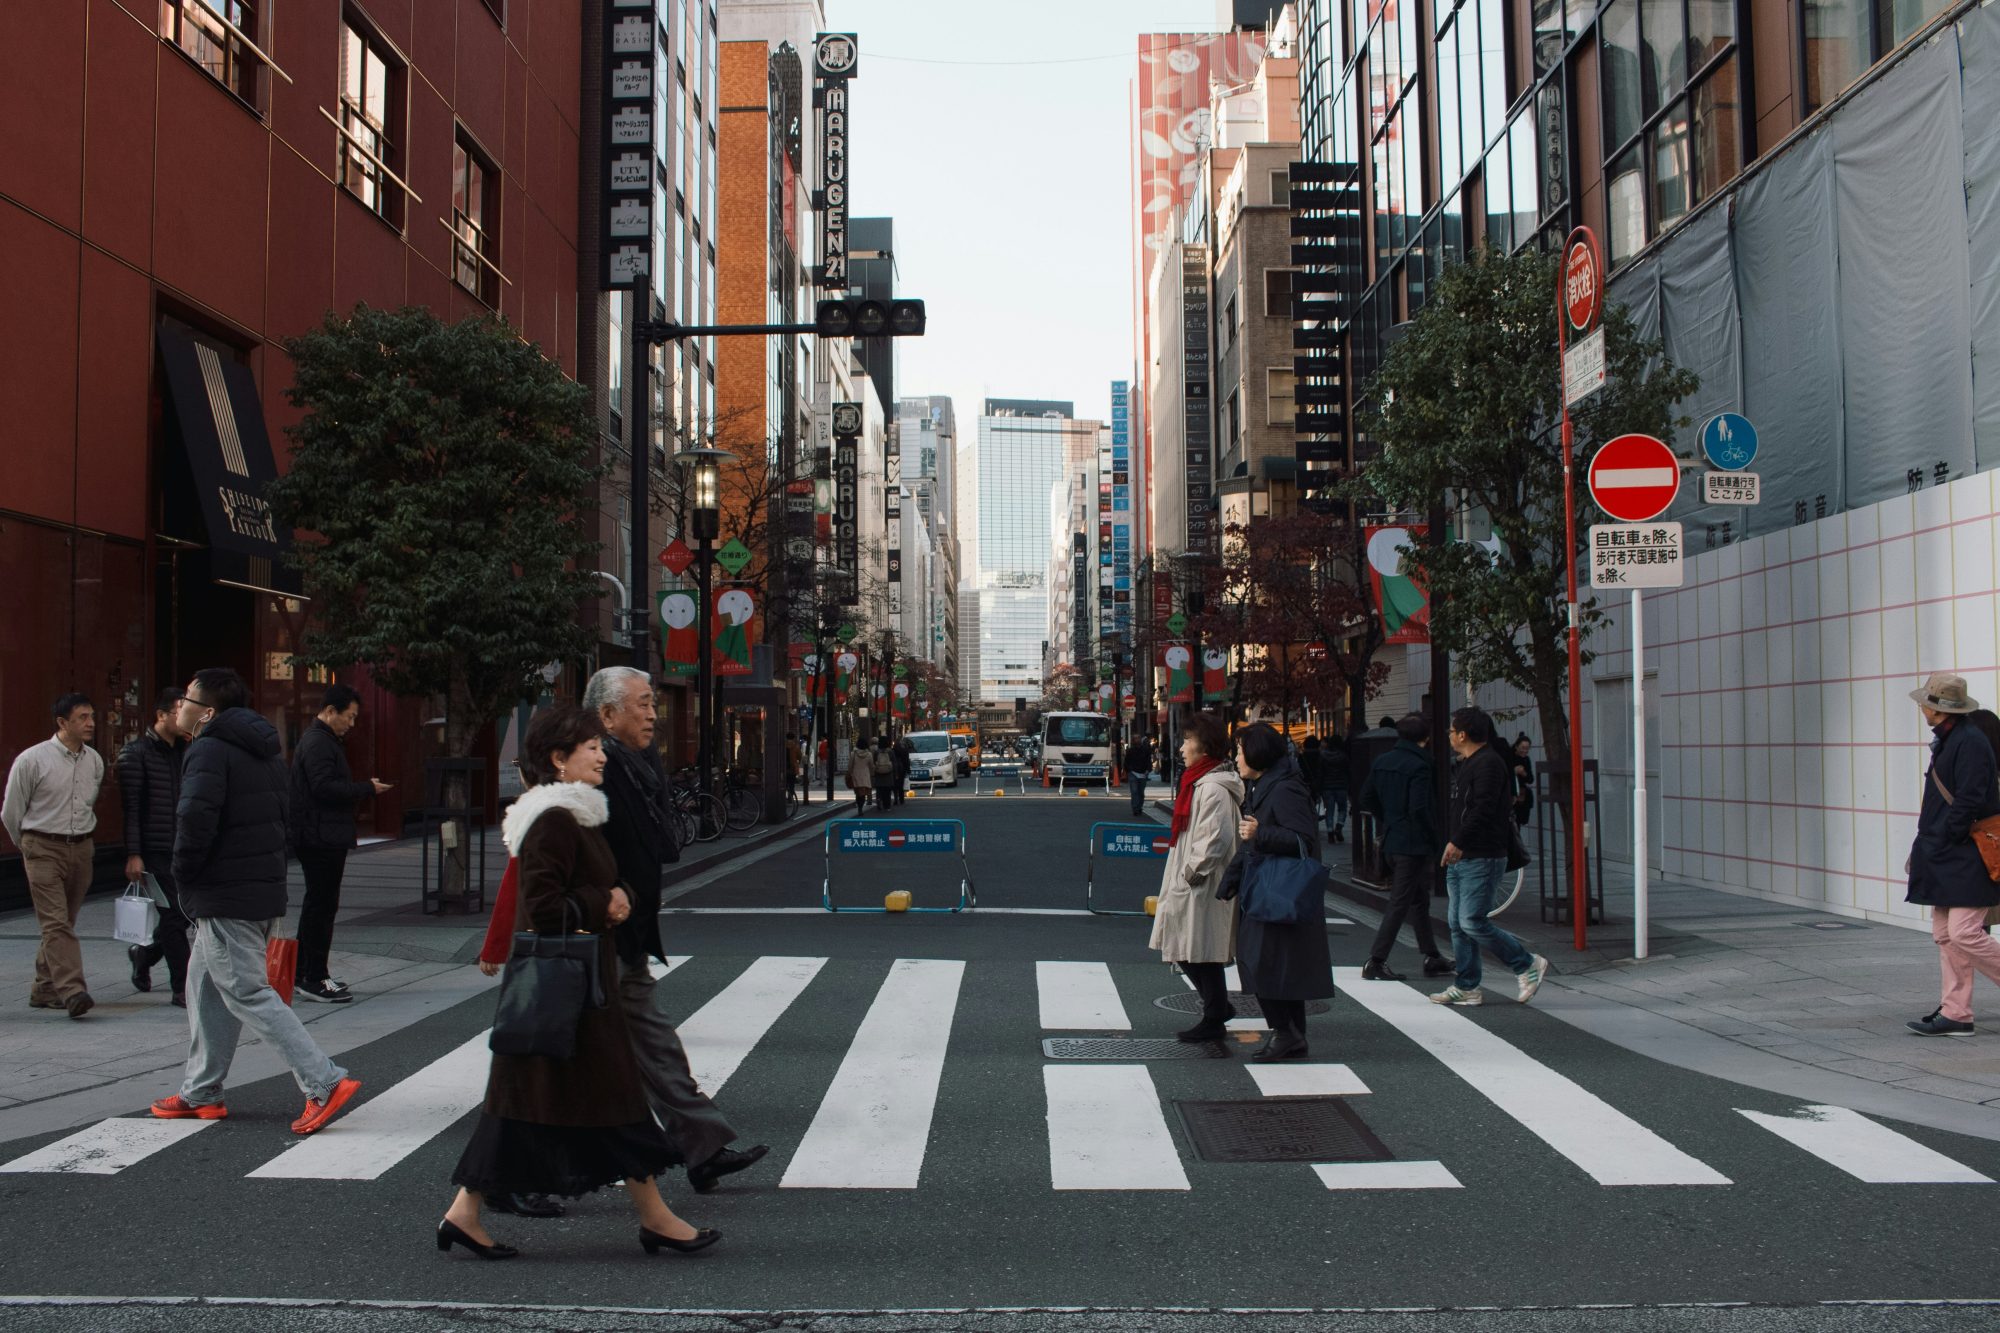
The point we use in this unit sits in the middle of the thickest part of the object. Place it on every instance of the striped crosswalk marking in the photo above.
(381, 1132)
(107, 1147)
(1106, 1130)
(1386, 1176)
(874, 1123)
(1863, 1149)
(1307, 1080)
(719, 1035)
(1611, 1147)
(1079, 996)
(660, 969)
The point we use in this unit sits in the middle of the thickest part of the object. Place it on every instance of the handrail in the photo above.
(368, 153)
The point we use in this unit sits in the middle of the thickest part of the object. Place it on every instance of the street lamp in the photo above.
(704, 474)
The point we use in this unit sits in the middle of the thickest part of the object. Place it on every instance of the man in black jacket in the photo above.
(1482, 831)
(324, 795)
(1398, 794)
(229, 866)
(149, 785)
(642, 840)
(1139, 771)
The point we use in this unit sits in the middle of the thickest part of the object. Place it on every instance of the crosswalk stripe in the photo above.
(1386, 1176)
(1863, 1149)
(1306, 1080)
(874, 1123)
(107, 1147)
(1611, 1147)
(381, 1132)
(1106, 1130)
(719, 1035)
(660, 969)
(1080, 995)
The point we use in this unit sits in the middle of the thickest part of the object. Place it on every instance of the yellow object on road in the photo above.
(899, 901)
(1152, 904)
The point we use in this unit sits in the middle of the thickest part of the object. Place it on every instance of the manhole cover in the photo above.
(1280, 1129)
(1832, 925)
(1130, 1048)
(1187, 1002)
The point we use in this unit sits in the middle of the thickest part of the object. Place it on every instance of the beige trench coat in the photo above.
(1190, 925)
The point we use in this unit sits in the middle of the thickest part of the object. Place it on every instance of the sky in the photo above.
(1010, 186)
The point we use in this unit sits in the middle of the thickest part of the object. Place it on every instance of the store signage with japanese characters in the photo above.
(1635, 555)
(834, 62)
(630, 53)
(1731, 488)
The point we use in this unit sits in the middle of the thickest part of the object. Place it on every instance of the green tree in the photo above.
(1468, 403)
(441, 480)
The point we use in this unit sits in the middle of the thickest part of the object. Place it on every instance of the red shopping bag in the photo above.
(281, 964)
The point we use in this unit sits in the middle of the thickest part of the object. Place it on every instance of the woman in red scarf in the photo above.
(1191, 927)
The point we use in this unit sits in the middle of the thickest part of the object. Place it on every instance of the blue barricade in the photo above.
(897, 837)
(1123, 842)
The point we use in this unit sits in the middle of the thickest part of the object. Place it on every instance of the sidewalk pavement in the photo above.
(403, 966)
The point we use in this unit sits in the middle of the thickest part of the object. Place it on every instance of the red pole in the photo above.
(1578, 908)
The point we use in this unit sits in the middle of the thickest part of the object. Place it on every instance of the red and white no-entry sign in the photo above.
(897, 837)
(1634, 478)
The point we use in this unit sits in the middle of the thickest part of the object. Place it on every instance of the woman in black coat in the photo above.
(1282, 965)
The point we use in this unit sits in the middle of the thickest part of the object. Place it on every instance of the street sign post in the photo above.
(1731, 488)
(1635, 478)
(1579, 314)
(1729, 441)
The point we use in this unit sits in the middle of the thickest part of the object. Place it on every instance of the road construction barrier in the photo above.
(1124, 844)
(897, 837)
(1081, 776)
(1000, 775)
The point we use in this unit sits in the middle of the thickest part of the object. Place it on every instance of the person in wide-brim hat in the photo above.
(1947, 872)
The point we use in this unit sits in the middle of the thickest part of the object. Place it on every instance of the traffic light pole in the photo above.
(638, 616)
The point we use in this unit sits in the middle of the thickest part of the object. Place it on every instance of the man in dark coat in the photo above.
(1398, 794)
(229, 866)
(149, 785)
(642, 840)
(1475, 860)
(899, 753)
(1947, 872)
(1139, 771)
(323, 831)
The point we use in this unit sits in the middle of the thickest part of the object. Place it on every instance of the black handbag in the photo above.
(548, 983)
(1285, 890)
(1517, 851)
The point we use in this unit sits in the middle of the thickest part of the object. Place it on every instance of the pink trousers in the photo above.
(1963, 946)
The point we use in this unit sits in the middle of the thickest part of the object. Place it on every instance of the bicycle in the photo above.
(742, 803)
(701, 814)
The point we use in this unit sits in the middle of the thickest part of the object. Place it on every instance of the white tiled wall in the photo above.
(1791, 757)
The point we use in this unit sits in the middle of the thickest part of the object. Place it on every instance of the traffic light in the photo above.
(869, 319)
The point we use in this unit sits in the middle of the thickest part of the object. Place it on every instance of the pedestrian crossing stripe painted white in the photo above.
(1863, 1149)
(1081, 996)
(1307, 1080)
(1107, 1131)
(660, 969)
(1386, 1176)
(874, 1123)
(382, 1131)
(722, 1033)
(107, 1147)
(1610, 1147)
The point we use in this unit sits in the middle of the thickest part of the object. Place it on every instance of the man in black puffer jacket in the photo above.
(324, 794)
(1475, 859)
(149, 787)
(229, 865)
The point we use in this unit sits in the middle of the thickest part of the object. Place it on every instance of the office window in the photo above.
(1718, 145)
(192, 26)
(1451, 166)
(1278, 293)
(1281, 189)
(1279, 396)
(1233, 417)
(371, 113)
(614, 361)
(475, 218)
(1229, 323)
(1844, 37)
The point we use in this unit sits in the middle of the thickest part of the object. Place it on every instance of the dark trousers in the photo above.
(171, 936)
(1409, 896)
(885, 796)
(1284, 1017)
(322, 869)
(1139, 781)
(1212, 984)
(694, 1124)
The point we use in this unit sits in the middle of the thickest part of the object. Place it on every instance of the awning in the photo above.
(222, 433)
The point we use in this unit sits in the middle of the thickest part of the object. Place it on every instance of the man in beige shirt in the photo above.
(50, 811)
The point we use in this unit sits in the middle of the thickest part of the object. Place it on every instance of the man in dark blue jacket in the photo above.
(1398, 794)
(324, 795)
(149, 787)
(1482, 832)
(229, 865)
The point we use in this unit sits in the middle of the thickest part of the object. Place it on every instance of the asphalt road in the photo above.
(833, 1077)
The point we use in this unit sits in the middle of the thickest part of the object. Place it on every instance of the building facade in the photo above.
(929, 440)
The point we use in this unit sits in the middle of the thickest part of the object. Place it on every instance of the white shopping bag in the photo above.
(133, 916)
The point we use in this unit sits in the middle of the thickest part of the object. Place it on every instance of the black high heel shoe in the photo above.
(653, 1242)
(449, 1234)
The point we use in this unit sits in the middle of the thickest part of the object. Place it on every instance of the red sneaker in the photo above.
(174, 1108)
(317, 1114)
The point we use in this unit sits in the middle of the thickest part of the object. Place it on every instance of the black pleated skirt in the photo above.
(517, 1157)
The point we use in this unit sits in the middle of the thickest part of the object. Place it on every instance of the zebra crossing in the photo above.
(874, 1126)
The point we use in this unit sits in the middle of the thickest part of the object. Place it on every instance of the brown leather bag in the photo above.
(1986, 837)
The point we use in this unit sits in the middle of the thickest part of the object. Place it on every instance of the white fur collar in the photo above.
(585, 803)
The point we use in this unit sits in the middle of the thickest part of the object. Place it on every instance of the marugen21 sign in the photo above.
(910, 835)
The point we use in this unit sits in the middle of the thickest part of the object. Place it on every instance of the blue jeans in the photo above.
(1470, 890)
(1336, 807)
(1138, 783)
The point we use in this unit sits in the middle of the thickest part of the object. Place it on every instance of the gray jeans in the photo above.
(228, 986)
(694, 1124)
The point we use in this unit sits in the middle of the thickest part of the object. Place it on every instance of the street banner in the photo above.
(815, 678)
(1127, 698)
(899, 700)
(1214, 673)
(735, 629)
(1406, 610)
(1176, 660)
(680, 638)
(845, 663)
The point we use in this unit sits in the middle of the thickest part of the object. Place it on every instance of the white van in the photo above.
(933, 758)
(1076, 747)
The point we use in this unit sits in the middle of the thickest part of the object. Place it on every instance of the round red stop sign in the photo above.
(1582, 293)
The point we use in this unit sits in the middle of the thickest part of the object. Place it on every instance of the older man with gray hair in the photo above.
(641, 834)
